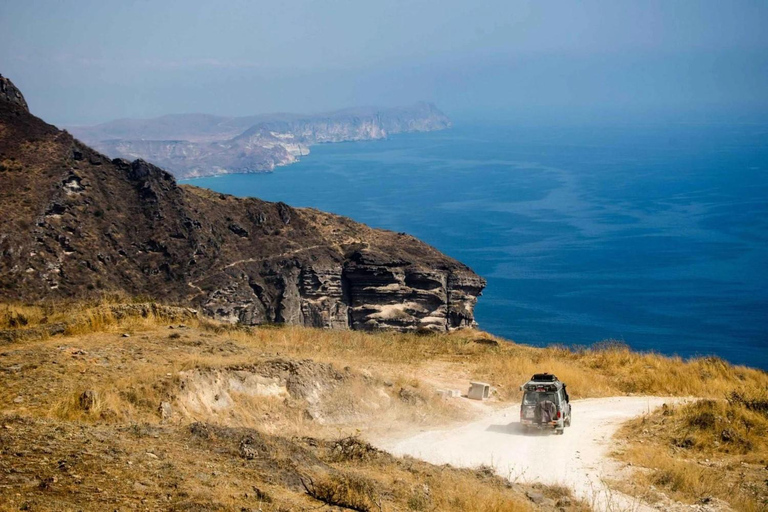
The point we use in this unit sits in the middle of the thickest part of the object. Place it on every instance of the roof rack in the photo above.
(543, 377)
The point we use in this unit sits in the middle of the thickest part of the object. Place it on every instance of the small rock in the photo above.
(152, 455)
(126, 335)
(248, 448)
(18, 399)
(165, 411)
(46, 483)
(535, 497)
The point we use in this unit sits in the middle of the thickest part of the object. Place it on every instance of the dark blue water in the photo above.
(655, 235)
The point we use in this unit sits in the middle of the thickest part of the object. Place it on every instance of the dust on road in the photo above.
(579, 459)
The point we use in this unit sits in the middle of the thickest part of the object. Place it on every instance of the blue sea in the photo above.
(653, 234)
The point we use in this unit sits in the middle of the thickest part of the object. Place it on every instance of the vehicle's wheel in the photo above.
(568, 421)
(560, 431)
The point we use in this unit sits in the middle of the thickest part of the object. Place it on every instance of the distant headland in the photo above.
(196, 145)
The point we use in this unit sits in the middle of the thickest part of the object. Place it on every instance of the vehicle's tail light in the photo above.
(558, 414)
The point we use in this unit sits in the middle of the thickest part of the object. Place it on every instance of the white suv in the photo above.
(546, 404)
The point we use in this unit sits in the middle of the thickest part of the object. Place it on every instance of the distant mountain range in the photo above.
(194, 145)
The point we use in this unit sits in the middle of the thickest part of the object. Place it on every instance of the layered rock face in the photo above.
(349, 295)
(74, 223)
(202, 145)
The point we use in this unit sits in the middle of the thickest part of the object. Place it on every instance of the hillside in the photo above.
(74, 223)
(193, 145)
(146, 406)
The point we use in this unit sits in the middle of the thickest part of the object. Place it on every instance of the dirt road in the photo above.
(578, 459)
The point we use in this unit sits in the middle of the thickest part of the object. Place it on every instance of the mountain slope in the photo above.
(74, 223)
(199, 144)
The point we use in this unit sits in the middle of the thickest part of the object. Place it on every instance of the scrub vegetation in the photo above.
(703, 450)
(130, 402)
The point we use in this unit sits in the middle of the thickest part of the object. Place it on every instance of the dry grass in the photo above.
(23, 316)
(205, 467)
(606, 369)
(364, 486)
(132, 375)
(389, 384)
(97, 315)
(18, 316)
(702, 450)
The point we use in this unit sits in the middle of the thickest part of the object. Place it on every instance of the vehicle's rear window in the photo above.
(534, 397)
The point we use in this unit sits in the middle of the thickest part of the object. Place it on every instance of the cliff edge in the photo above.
(194, 145)
(74, 223)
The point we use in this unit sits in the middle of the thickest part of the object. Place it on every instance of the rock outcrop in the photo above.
(74, 223)
(200, 145)
(9, 93)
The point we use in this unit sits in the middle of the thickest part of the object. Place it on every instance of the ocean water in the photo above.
(656, 235)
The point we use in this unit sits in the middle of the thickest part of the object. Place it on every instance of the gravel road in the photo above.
(578, 459)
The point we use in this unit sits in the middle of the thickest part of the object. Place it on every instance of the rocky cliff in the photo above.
(199, 145)
(74, 223)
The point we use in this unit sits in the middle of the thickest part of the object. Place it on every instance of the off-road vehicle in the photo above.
(546, 404)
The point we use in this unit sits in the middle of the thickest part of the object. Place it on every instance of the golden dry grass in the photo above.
(21, 316)
(83, 317)
(110, 433)
(205, 468)
(701, 450)
(603, 370)
(152, 354)
(392, 385)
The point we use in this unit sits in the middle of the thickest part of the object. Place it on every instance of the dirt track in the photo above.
(578, 459)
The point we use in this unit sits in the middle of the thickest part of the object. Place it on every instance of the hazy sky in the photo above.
(93, 60)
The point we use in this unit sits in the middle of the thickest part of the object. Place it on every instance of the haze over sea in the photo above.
(654, 234)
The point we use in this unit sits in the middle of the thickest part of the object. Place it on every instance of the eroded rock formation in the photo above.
(74, 223)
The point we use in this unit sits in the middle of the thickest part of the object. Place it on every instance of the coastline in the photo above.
(567, 263)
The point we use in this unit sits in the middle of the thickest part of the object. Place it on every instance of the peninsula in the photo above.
(196, 145)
